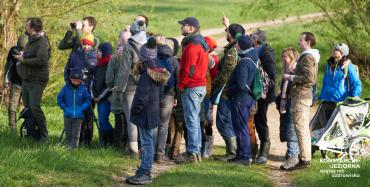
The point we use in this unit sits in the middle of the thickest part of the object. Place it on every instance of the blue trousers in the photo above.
(103, 116)
(147, 149)
(240, 111)
(223, 119)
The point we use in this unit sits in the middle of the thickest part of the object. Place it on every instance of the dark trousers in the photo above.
(240, 111)
(72, 128)
(260, 120)
(32, 95)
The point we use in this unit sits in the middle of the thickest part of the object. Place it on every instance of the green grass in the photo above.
(315, 176)
(213, 173)
(27, 163)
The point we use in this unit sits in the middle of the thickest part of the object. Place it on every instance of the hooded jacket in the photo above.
(74, 101)
(194, 62)
(340, 82)
(145, 107)
(305, 75)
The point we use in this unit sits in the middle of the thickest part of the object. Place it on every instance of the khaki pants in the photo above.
(301, 119)
(15, 94)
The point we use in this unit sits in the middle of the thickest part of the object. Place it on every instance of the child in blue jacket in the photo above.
(73, 99)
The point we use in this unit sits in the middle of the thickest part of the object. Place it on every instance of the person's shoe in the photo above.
(199, 158)
(134, 155)
(140, 179)
(302, 164)
(239, 161)
(263, 153)
(186, 158)
(290, 163)
(160, 158)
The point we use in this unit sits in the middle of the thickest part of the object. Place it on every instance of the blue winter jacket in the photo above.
(242, 78)
(74, 101)
(336, 87)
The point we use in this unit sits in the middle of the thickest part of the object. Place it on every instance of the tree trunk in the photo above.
(9, 13)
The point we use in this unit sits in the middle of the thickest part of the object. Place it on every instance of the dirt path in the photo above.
(278, 149)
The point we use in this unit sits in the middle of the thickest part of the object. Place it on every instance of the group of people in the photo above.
(158, 98)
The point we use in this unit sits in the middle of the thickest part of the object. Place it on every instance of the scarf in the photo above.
(104, 61)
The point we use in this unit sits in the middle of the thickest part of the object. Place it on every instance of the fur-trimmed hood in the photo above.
(159, 75)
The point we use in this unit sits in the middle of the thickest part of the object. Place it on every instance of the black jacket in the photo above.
(10, 72)
(267, 56)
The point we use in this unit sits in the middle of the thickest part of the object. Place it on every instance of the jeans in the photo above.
(240, 111)
(160, 132)
(293, 149)
(191, 101)
(223, 119)
(132, 129)
(103, 115)
(147, 149)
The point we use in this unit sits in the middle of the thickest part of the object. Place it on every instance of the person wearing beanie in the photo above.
(117, 106)
(13, 82)
(192, 84)
(126, 79)
(165, 59)
(239, 92)
(145, 110)
(84, 59)
(226, 65)
(77, 30)
(267, 57)
(98, 89)
(341, 78)
(74, 100)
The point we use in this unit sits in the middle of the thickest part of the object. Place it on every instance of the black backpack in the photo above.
(29, 127)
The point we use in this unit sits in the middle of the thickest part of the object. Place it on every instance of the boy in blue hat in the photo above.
(73, 99)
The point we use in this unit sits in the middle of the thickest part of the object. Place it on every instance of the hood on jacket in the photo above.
(315, 53)
(164, 51)
(159, 75)
(140, 37)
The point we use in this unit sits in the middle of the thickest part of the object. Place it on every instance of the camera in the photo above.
(73, 25)
(16, 52)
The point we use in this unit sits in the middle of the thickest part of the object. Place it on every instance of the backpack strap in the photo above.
(256, 72)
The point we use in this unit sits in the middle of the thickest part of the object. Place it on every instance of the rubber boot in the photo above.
(263, 153)
(230, 147)
(254, 151)
(208, 146)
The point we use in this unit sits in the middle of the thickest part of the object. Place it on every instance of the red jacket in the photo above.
(193, 66)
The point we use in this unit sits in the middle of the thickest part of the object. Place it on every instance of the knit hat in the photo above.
(343, 48)
(105, 48)
(148, 52)
(260, 35)
(75, 73)
(137, 26)
(245, 42)
(234, 28)
(87, 39)
(212, 43)
(22, 41)
(165, 51)
(192, 21)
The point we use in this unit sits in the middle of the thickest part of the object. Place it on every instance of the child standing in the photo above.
(145, 110)
(98, 88)
(73, 99)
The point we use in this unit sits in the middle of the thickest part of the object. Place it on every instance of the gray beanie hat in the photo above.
(343, 48)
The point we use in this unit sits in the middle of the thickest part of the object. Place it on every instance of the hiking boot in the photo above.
(160, 158)
(263, 153)
(186, 158)
(302, 164)
(290, 163)
(140, 178)
(239, 161)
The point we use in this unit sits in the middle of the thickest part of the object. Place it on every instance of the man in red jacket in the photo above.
(192, 84)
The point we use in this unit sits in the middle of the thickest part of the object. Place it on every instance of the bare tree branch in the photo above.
(69, 10)
(363, 19)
